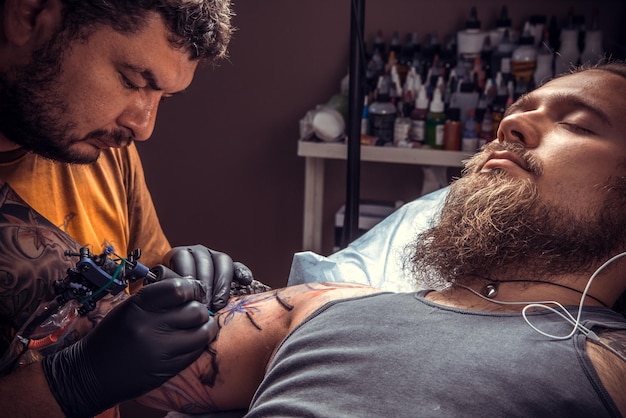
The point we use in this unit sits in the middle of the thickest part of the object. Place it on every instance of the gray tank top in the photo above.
(399, 355)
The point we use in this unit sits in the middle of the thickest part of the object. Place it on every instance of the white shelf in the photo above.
(316, 153)
(394, 155)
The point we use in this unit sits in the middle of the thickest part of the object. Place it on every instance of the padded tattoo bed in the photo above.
(378, 257)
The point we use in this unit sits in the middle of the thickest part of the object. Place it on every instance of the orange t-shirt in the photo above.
(100, 204)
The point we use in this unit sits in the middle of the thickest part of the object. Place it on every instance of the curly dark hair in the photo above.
(202, 27)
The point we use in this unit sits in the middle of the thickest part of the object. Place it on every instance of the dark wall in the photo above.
(222, 163)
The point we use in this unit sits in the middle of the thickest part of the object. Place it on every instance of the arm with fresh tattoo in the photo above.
(227, 374)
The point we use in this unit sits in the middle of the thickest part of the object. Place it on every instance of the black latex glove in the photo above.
(141, 343)
(215, 269)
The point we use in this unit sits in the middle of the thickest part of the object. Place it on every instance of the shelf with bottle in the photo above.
(317, 152)
(478, 69)
(478, 73)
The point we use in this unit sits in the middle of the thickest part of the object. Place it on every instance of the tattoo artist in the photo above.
(80, 81)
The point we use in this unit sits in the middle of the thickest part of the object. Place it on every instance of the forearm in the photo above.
(25, 393)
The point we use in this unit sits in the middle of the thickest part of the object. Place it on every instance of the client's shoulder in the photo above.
(306, 298)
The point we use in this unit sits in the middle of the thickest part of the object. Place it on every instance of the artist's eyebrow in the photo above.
(148, 75)
(560, 99)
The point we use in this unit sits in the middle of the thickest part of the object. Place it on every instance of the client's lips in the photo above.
(503, 158)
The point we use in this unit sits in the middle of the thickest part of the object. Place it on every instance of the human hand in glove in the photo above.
(215, 269)
(140, 344)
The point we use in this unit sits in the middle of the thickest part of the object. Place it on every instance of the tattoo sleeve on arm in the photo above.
(251, 327)
(32, 259)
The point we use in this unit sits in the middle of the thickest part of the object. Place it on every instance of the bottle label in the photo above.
(382, 126)
(416, 131)
(434, 133)
(469, 144)
(401, 130)
(523, 69)
(439, 136)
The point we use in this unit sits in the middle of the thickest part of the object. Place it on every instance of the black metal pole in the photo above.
(355, 110)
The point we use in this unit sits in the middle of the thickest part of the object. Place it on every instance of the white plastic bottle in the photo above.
(501, 56)
(524, 58)
(435, 121)
(545, 61)
(568, 54)
(593, 42)
(466, 98)
(470, 40)
(502, 24)
(417, 130)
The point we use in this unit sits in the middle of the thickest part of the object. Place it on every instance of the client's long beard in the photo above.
(495, 226)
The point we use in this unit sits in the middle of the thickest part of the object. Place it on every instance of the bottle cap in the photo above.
(506, 37)
(417, 82)
(383, 92)
(503, 21)
(527, 37)
(467, 87)
(472, 22)
(454, 113)
(436, 105)
(422, 99)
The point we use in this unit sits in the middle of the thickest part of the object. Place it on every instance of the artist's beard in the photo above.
(495, 226)
(34, 114)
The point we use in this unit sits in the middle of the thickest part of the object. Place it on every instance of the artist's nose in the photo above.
(139, 116)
